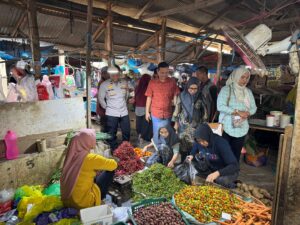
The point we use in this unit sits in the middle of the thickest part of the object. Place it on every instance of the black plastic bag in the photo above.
(202, 165)
(186, 172)
(165, 154)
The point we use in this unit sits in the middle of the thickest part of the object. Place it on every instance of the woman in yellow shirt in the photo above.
(80, 186)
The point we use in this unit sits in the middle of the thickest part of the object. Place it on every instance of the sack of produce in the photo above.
(186, 172)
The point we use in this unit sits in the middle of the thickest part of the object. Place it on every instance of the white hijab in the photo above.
(241, 92)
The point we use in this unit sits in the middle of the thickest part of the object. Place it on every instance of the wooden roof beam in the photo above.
(223, 12)
(21, 21)
(182, 9)
(99, 30)
(145, 7)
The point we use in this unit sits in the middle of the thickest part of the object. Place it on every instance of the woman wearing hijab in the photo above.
(167, 147)
(213, 158)
(80, 187)
(190, 111)
(143, 128)
(236, 104)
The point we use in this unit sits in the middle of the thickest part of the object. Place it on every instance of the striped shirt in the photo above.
(227, 109)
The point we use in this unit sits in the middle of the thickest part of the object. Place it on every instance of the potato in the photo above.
(251, 187)
(245, 187)
(256, 194)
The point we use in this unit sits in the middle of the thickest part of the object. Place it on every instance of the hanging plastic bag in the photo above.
(27, 89)
(13, 95)
(186, 172)
(42, 92)
(48, 85)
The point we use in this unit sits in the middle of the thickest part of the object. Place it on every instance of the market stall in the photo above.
(71, 42)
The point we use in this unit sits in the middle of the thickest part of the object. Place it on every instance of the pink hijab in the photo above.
(80, 147)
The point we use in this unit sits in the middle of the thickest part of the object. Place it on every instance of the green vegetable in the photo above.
(157, 181)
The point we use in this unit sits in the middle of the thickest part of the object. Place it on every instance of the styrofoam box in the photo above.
(98, 215)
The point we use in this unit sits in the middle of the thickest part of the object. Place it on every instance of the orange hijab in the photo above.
(79, 148)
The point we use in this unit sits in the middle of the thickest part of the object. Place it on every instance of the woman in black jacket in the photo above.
(213, 157)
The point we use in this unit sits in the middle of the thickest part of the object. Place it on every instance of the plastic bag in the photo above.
(52, 190)
(120, 214)
(31, 207)
(68, 222)
(12, 95)
(165, 154)
(27, 89)
(28, 191)
(201, 164)
(56, 216)
(6, 195)
(186, 172)
(42, 92)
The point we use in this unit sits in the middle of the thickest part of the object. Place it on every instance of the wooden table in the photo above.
(261, 125)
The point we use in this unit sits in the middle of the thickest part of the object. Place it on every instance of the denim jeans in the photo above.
(158, 123)
(112, 124)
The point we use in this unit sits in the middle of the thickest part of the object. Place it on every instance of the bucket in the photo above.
(285, 120)
(277, 115)
(270, 120)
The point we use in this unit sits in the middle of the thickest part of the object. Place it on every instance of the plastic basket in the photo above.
(150, 202)
(97, 215)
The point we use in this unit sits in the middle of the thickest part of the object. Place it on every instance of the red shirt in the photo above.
(162, 94)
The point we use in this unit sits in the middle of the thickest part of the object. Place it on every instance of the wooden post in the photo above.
(291, 209)
(88, 61)
(108, 34)
(219, 64)
(162, 41)
(281, 176)
(34, 37)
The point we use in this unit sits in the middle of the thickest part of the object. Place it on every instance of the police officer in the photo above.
(113, 95)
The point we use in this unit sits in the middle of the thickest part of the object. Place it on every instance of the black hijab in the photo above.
(171, 140)
(204, 132)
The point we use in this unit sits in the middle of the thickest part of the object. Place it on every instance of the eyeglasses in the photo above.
(193, 89)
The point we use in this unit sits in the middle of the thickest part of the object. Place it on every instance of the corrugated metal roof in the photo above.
(9, 16)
